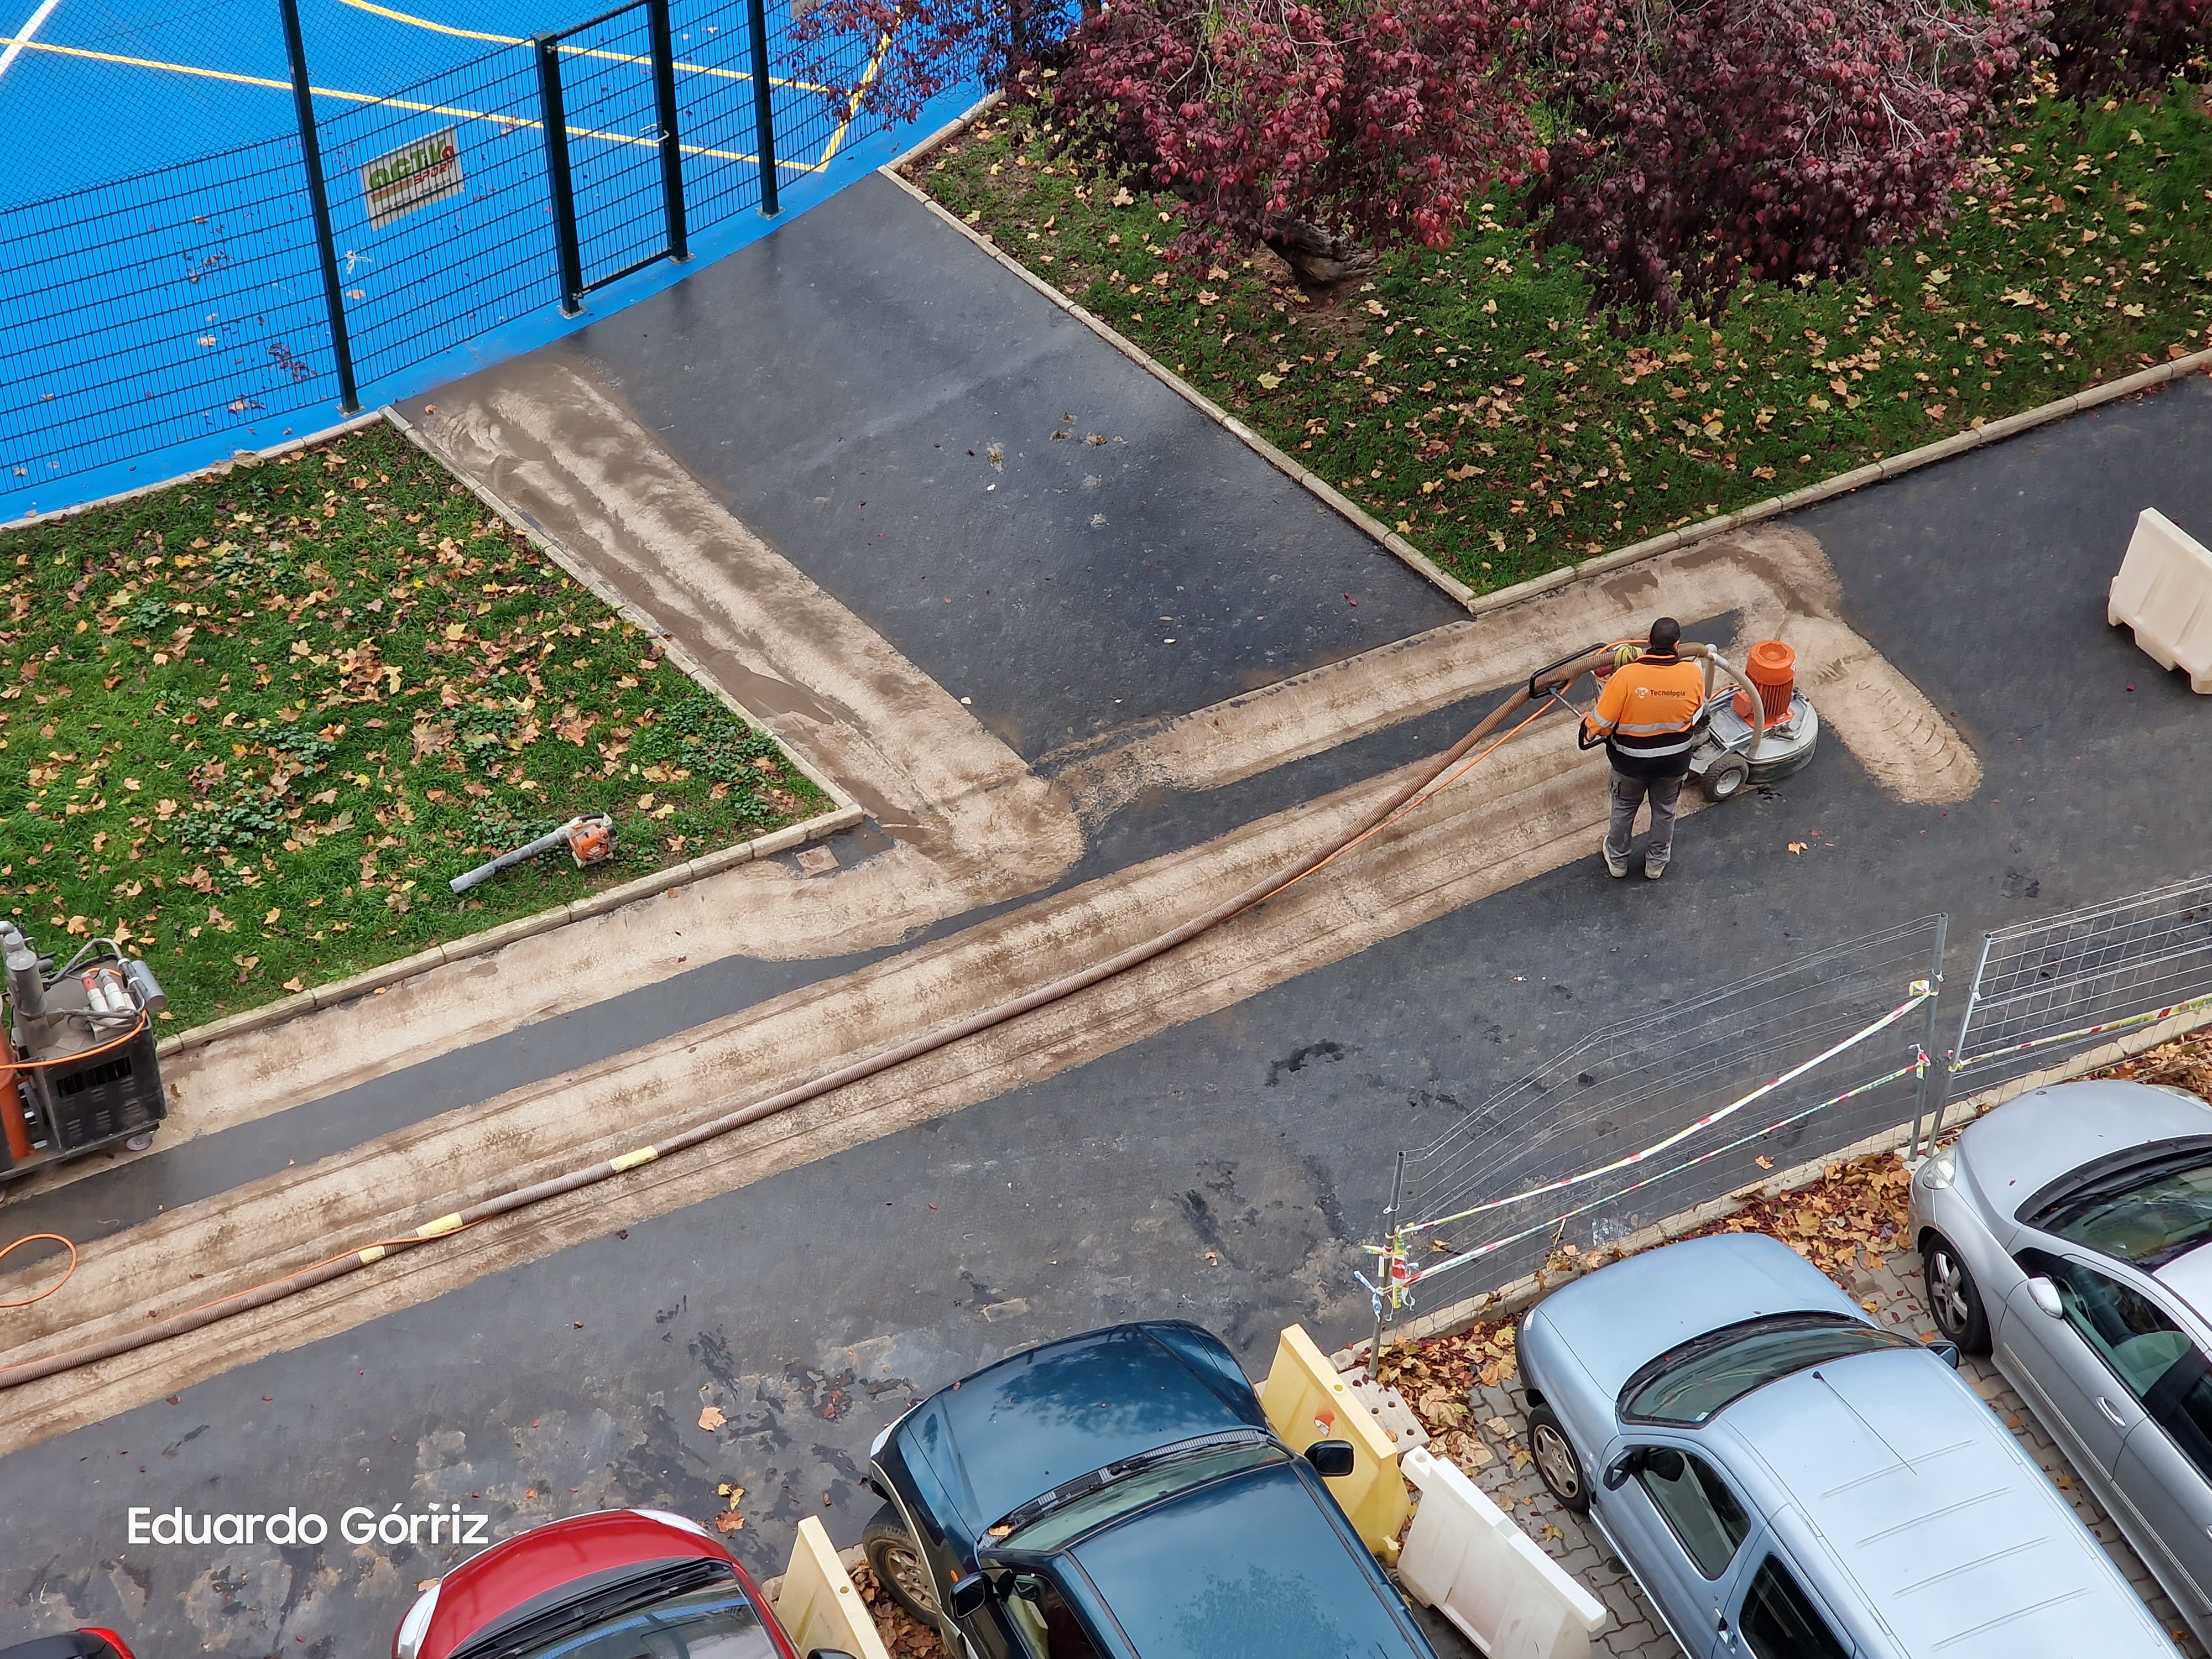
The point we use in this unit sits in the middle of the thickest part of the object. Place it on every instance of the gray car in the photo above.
(2069, 1234)
(1787, 1479)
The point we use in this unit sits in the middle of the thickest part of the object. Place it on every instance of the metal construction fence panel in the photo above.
(196, 301)
(2046, 989)
(1651, 1118)
(473, 246)
(1654, 1116)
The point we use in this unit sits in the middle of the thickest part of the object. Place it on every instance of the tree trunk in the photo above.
(1320, 259)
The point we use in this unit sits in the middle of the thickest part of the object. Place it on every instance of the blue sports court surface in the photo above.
(163, 301)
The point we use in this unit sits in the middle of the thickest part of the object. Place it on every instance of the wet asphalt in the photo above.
(1224, 1170)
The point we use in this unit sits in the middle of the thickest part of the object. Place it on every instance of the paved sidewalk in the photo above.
(1511, 1483)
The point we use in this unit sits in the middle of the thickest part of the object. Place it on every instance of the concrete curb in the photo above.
(845, 814)
(495, 939)
(275, 452)
(1524, 1292)
(945, 134)
(562, 554)
(1205, 405)
(1875, 471)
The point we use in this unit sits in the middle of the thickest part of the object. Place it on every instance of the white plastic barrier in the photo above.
(1465, 1557)
(2163, 591)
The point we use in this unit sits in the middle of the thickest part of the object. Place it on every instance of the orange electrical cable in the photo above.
(33, 1239)
(82, 1054)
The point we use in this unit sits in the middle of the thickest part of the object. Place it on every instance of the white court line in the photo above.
(22, 36)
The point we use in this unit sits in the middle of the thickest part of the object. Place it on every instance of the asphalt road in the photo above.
(1222, 1171)
(1037, 523)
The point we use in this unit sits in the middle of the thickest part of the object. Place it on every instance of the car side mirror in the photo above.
(1944, 1350)
(1618, 1472)
(1331, 1458)
(2045, 1295)
(828, 1653)
(969, 1595)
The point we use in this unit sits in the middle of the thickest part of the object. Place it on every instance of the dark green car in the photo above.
(1120, 1496)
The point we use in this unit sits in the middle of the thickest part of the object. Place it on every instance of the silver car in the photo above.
(1787, 1480)
(2069, 1234)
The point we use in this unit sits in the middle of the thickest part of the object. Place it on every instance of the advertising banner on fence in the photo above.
(415, 175)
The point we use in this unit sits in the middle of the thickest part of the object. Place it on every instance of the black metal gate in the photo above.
(607, 88)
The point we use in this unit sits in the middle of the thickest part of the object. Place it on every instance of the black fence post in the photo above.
(763, 105)
(310, 152)
(671, 151)
(557, 170)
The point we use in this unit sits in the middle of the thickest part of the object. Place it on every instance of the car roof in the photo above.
(1888, 1464)
(1029, 1423)
(1623, 1315)
(2189, 1276)
(1251, 1566)
(2015, 1151)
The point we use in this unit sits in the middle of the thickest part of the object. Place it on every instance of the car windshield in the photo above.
(703, 1626)
(1694, 1383)
(2145, 1210)
(1159, 1476)
(715, 1623)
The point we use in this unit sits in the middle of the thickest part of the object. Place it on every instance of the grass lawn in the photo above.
(1466, 398)
(250, 725)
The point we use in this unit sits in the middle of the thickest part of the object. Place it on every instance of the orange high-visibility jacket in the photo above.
(1648, 714)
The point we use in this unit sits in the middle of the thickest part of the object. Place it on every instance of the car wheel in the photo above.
(898, 1565)
(1953, 1300)
(1556, 1464)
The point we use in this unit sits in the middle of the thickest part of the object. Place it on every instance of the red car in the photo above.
(619, 1584)
(90, 1643)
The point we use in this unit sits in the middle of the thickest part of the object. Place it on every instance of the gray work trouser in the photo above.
(1629, 793)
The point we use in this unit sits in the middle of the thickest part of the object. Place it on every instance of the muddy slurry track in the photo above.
(1535, 805)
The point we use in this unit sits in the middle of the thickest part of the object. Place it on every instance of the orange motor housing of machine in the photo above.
(1772, 667)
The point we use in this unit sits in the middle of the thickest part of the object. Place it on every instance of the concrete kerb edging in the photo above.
(1598, 564)
(1521, 1293)
(1213, 411)
(562, 554)
(221, 469)
(844, 815)
(945, 134)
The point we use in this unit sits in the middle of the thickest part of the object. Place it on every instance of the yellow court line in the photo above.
(853, 107)
(505, 122)
(413, 22)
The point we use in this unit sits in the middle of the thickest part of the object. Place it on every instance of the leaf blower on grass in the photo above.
(590, 840)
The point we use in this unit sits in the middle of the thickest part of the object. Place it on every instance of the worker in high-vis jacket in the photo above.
(1647, 718)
